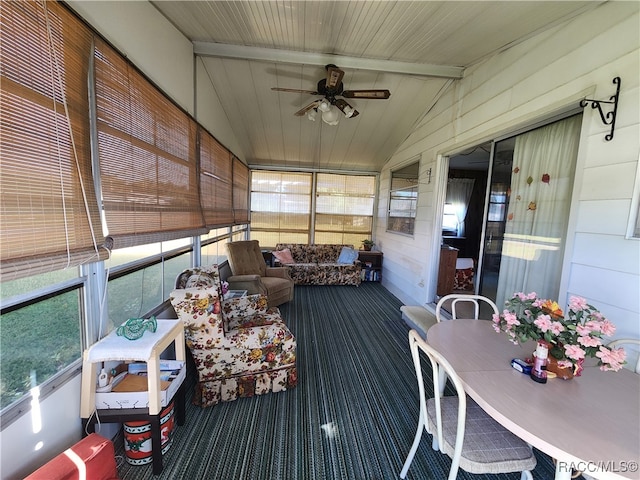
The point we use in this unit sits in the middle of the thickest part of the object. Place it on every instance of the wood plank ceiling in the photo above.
(416, 49)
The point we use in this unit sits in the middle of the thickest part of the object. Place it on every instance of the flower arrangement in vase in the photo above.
(570, 338)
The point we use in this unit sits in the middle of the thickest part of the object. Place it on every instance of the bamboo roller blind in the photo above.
(49, 213)
(216, 182)
(147, 151)
(150, 177)
(240, 191)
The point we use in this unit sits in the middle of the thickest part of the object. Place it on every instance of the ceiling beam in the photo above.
(209, 49)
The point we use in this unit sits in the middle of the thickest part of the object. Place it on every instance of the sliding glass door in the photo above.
(528, 210)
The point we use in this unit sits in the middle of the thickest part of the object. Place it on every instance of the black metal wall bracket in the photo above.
(610, 117)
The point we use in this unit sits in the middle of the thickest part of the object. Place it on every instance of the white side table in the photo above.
(147, 348)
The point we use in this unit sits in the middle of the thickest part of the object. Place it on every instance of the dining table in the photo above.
(590, 423)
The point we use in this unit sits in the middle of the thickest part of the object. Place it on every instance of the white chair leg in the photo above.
(414, 447)
(526, 475)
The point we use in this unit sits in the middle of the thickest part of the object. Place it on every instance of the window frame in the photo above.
(633, 226)
(403, 173)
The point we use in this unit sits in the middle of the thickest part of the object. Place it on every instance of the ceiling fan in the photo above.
(330, 88)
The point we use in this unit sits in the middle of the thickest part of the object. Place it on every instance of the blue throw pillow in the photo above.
(348, 255)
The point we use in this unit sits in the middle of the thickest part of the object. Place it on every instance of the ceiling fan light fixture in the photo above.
(312, 114)
(330, 116)
(348, 111)
(324, 106)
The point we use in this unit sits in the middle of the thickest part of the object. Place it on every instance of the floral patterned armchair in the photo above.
(240, 346)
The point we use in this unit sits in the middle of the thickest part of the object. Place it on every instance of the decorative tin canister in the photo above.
(137, 437)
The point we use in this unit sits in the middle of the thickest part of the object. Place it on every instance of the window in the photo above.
(213, 250)
(403, 199)
(344, 208)
(449, 220)
(633, 230)
(38, 341)
(280, 207)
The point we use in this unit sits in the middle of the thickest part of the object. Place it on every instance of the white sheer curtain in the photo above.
(535, 232)
(458, 195)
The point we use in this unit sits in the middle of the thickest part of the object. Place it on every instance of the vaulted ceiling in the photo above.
(415, 49)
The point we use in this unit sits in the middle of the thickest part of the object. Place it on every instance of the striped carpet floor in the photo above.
(353, 414)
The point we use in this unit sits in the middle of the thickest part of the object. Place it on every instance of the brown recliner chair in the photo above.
(250, 273)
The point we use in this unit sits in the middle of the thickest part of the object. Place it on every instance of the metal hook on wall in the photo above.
(610, 117)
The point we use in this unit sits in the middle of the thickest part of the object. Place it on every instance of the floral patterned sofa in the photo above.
(240, 346)
(318, 264)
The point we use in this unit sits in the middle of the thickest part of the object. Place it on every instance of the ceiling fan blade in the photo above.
(345, 108)
(334, 76)
(294, 90)
(370, 94)
(303, 111)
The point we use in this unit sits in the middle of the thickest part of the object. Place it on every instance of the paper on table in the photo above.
(136, 383)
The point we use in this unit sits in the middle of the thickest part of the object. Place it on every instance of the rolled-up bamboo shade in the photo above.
(240, 192)
(49, 213)
(147, 152)
(216, 182)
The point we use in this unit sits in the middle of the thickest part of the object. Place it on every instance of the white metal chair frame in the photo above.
(416, 344)
(463, 298)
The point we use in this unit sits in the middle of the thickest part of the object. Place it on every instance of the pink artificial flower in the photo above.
(574, 352)
(496, 327)
(607, 328)
(594, 325)
(583, 330)
(543, 322)
(556, 328)
(496, 318)
(577, 303)
(521, 295)
(612, 359)
(588, 341)
(511, 318)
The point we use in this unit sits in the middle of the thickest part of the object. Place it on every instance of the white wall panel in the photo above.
(604, 287)
(608, 182)
(153, 44)
(604, 216)
(610, 252)
(527, 83)
(210, 114)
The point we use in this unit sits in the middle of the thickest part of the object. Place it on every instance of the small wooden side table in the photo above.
(371, 265)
